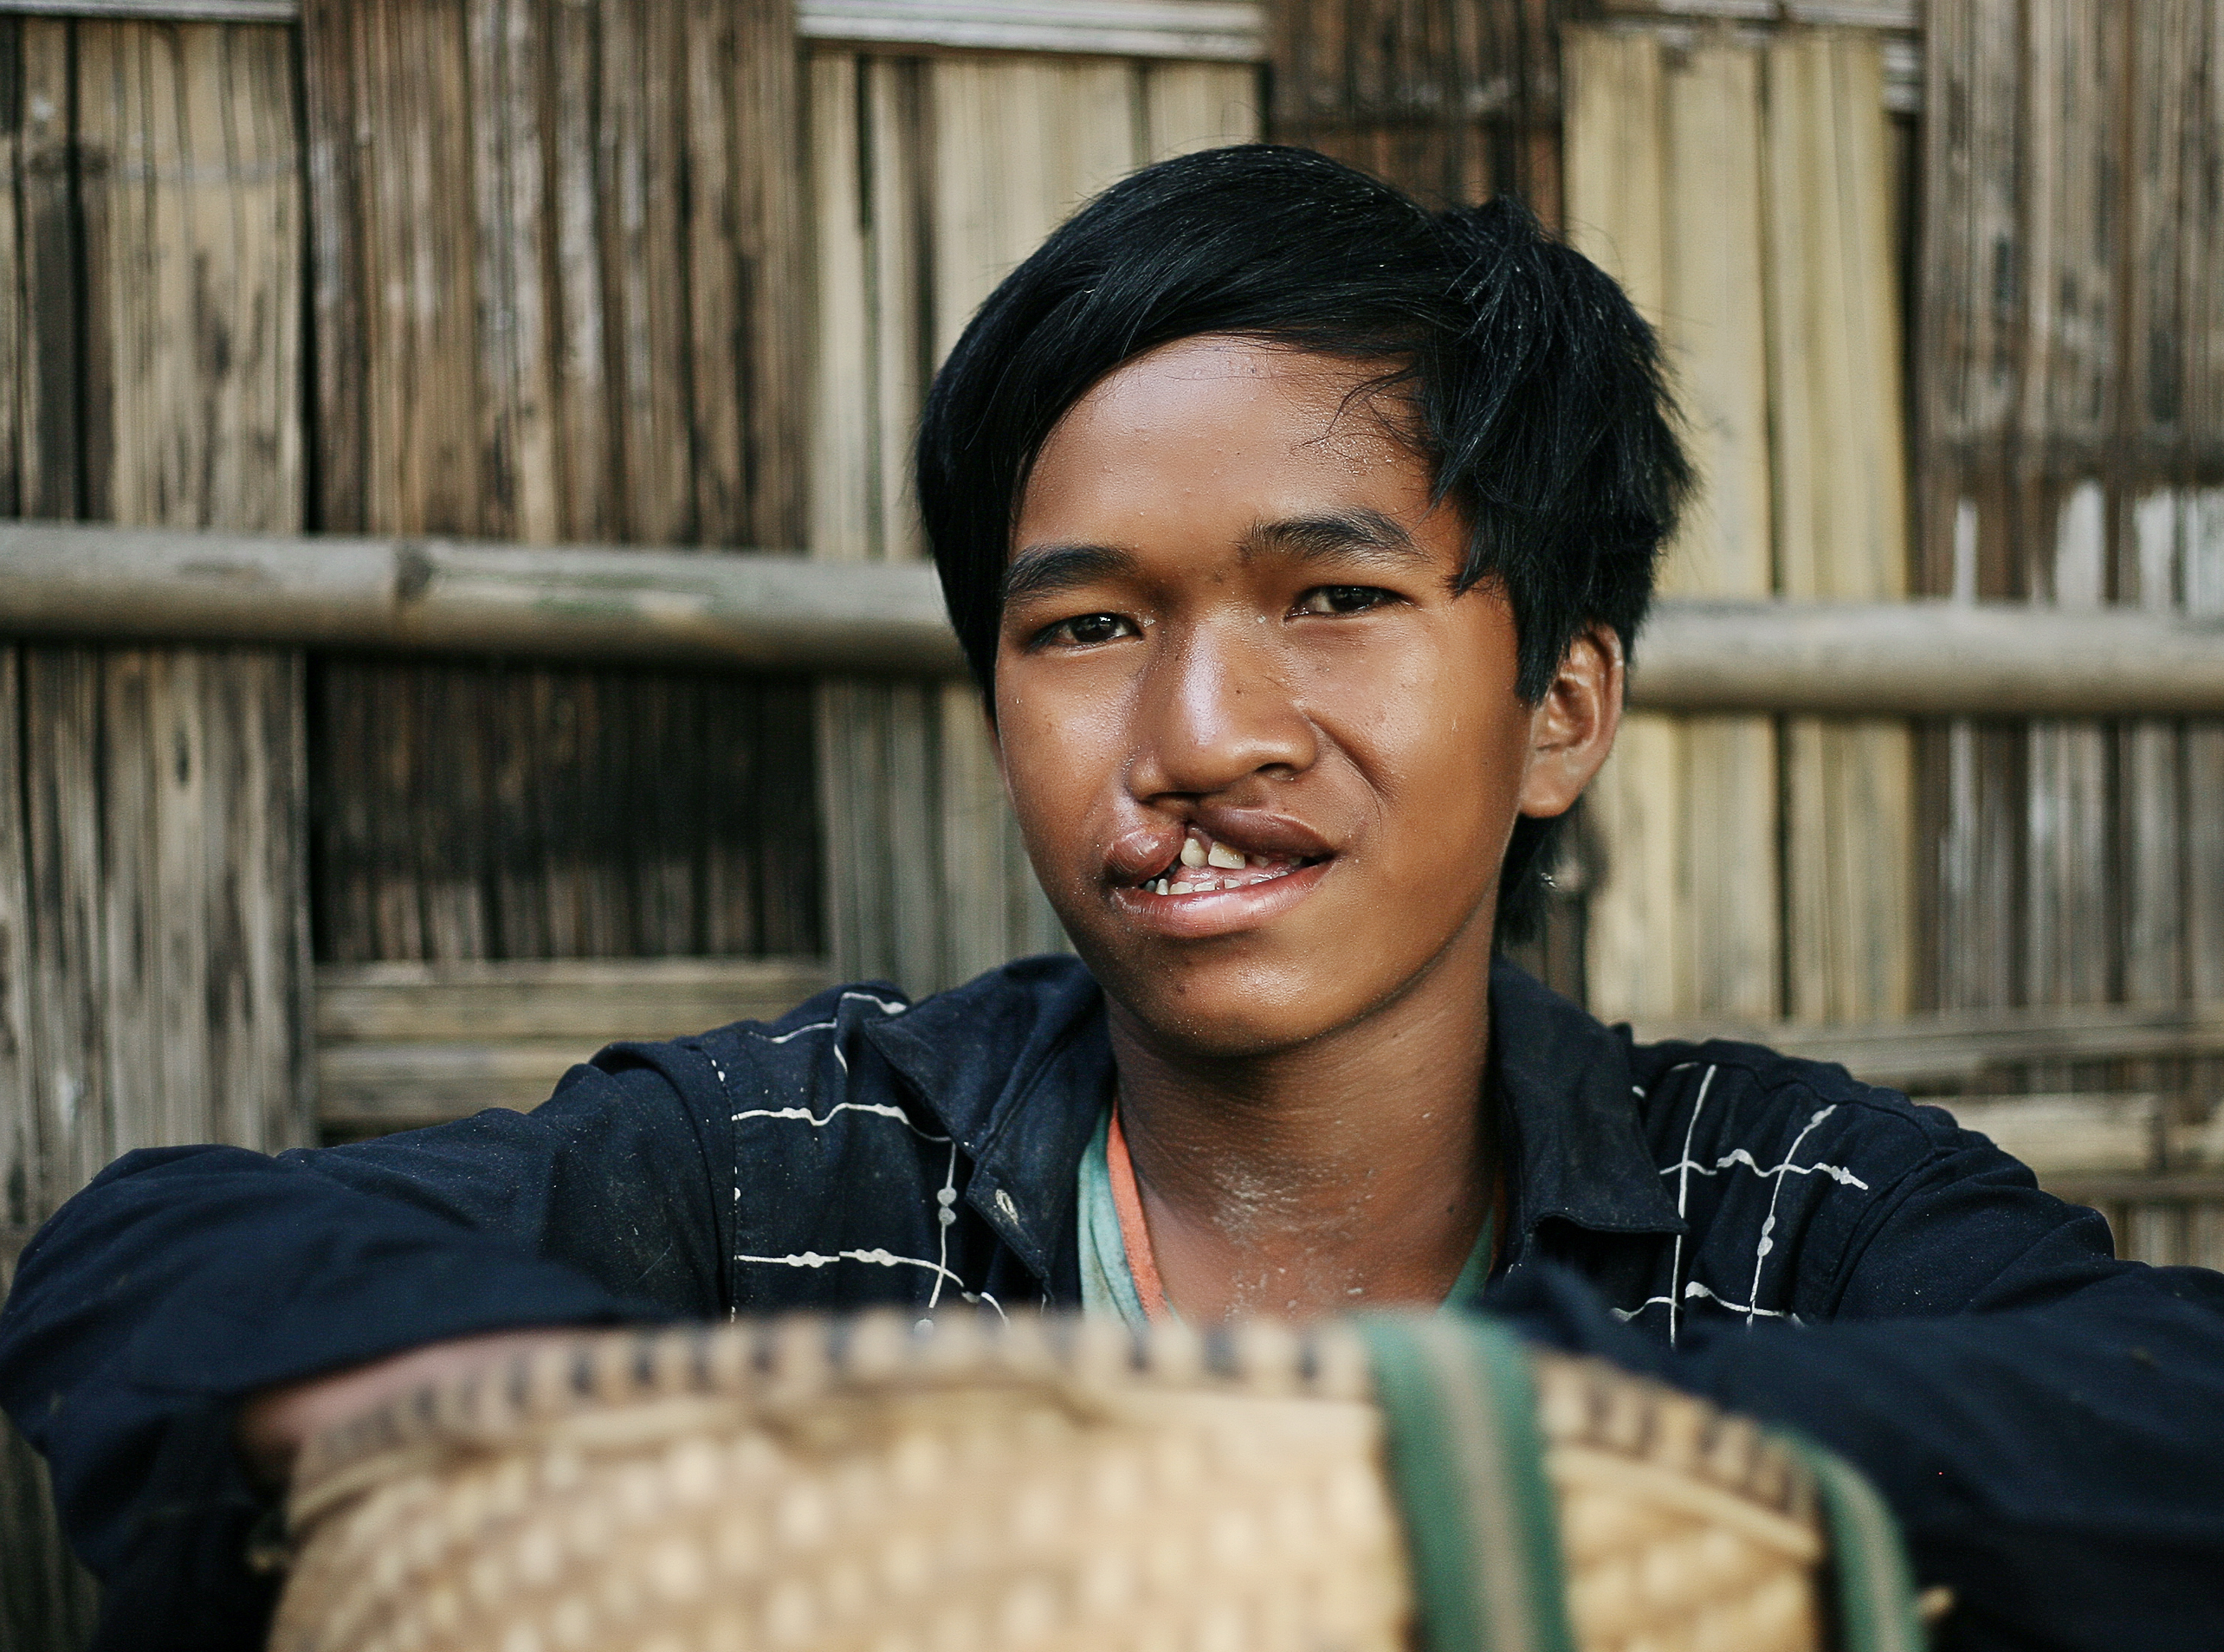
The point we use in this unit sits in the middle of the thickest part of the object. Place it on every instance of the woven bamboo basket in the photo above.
(819, 1485)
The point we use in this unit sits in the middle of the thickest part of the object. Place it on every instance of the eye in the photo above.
(1083, 630)
(1343, 599)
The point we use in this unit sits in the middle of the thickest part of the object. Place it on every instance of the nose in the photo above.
(1216, 708)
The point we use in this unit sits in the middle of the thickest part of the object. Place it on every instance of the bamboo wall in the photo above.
(2071, 423)
(1743, 191)
(559, 261)
(2070, 429)
(153, 944)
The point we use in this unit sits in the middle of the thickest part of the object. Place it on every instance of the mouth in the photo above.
(1204, 866)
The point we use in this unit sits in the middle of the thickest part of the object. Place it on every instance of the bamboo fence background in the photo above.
(1743, 191)
(659, 272)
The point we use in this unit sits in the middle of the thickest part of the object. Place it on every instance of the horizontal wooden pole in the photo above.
(1928, 659)
(1199, 31)
(1945, 1052)
(772, 612)
(588, 1001)
(278, 11)
(761, 612)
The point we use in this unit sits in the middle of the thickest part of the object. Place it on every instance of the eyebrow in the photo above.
(1359, 535)
(1045, 570)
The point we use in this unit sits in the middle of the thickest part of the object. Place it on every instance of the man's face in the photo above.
(1232, 638)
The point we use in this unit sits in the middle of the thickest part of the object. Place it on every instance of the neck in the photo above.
(1353, 1171)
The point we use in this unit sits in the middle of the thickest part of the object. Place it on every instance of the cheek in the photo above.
(1062, 752)
(1438, 742)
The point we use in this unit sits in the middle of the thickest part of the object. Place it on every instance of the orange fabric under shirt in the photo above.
(1134, 1235)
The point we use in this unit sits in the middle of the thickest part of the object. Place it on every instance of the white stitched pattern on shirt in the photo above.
(945, 1217)
(1692, 1288)
(1837, 1173)
(820, 1120)
(1767, 1240)
(891, 1006)
(1683, 1194)
(877, 1258)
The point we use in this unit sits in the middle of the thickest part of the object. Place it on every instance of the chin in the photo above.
(1234, 1012)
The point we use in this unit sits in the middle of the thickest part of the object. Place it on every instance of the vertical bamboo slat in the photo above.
(2148, 753)
(1968, 312)
(162, 972)
(1836, 416)
(51, 467)
(2201, 351)
(47, 1601)
(1664, 190)
(14, 324)
(2067, 414)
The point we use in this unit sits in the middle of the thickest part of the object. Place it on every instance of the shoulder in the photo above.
(860, 1031)
(1782, 1168)
(1724, 1095)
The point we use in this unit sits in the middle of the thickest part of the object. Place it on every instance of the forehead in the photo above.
(1219, 423)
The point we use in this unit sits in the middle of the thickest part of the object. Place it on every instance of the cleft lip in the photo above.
(1265, 833)
(1147, 851)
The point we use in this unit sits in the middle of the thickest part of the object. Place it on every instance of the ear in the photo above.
(1572, 727)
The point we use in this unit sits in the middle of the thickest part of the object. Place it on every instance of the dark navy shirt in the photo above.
(2048, 1422)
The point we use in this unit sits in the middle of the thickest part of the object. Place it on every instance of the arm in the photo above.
(2047, 1422)
(184, 1281)
(273, 1425)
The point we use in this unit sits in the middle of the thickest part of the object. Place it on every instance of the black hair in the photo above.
(1537, 389)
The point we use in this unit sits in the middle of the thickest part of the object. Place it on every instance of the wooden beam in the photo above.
(406, 1044)
(777, 612)
(278, 11)
(576, 998)
(431, 597)
(1927, 659)
(1938, 1053)
(1203, 30)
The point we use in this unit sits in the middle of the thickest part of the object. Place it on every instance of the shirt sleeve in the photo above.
(183, 1280)
(2046, 1422)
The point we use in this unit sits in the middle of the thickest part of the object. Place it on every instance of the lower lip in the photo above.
(1220, 912)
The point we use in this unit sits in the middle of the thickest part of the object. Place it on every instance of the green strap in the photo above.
(1874, 1589)
(1482, 1526)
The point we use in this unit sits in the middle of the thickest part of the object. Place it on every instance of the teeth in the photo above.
(1193, 852)
(1224, 857)
(1186, 887)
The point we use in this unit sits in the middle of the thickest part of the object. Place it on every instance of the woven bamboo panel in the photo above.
(1044, 1483)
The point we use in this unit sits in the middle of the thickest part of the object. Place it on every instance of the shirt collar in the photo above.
(1570, 1103)
(1016, 1065)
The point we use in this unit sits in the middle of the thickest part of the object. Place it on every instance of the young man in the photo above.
(1297, 539)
